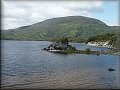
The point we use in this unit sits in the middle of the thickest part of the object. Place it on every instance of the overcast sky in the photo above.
(22, 13)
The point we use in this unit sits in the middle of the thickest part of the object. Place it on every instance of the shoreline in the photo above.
(111, 52)
(100, 44)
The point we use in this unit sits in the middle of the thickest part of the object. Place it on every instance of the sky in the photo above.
(22, 13)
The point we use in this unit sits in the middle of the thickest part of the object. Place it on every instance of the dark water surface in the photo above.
(25, 65)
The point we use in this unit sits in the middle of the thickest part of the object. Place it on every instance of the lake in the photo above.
(26, 65)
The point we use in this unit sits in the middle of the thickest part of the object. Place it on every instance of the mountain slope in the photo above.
(71, 26)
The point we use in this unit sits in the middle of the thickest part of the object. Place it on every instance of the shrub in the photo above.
(88, 50)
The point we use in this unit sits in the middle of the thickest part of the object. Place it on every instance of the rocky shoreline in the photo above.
(106, 44)
(100, 44)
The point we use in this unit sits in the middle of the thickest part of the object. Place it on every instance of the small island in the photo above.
(60, 45)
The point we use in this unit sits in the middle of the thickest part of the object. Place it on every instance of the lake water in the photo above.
(25, 65)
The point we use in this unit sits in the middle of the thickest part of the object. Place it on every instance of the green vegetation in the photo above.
(71, 47)
(112, 38)
(63, 45)
(118, 42)
(77, 28)
(63, 40)
(87, 50)
(70, 51)
(77, 39)
(70, 39)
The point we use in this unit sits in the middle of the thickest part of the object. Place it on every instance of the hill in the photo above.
(77, 28)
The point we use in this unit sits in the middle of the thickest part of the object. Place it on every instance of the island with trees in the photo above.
(61, 45)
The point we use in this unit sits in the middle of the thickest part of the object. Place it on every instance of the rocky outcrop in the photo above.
(60, 45)
(57, 46)
(100, 44)
(111, 69)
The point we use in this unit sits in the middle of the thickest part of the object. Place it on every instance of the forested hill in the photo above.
(74, 27)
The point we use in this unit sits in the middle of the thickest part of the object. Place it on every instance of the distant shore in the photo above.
(106, 45)
(100, 44)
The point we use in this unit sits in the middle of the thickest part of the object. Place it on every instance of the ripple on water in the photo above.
(22, 67)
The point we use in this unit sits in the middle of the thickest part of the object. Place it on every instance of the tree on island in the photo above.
(60, 43)
(62, 40)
